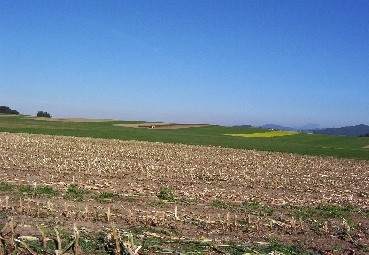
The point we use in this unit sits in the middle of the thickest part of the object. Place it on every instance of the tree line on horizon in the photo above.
(7, 110)
(43, 114)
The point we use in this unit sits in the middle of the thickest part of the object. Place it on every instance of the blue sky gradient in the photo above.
(224, 62)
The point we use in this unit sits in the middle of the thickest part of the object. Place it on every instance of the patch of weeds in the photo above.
(160, 231)
(5, 187)
(278, 246)
(350, 223)
(84, 243)
(350, 208)
(36, 247)
(151, 242)
(193, 248)
(233, 248)
(67, 240)
(252, 204)
(136, 230)
(40, 190)
(321, 211)
(27, 190)
(300, 211)
(201, 177)
(73, 192)
(293, 207)
(363, 247)
(222, 204)
(332, 211)
(241, 248)
(46, 190)
(166, 193)
(107, 197)
(317, 225)
(365, 212)
(3, 216)
(93, 245)
(148, 242)
(130, 199)
(267, 210)
(160, 246)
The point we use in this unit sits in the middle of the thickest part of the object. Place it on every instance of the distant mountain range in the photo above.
(358, 130)
(306, 127)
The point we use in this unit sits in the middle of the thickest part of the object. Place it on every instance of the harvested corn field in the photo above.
(173, 198)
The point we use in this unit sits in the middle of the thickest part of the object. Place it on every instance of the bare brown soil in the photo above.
(221, 195)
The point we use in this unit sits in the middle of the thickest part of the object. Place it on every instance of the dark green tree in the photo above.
(7, 110)
(43, 114)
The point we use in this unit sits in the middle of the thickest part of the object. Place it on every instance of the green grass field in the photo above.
(266, 134)
(302, 143)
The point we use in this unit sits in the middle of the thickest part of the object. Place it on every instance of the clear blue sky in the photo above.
(224, 62)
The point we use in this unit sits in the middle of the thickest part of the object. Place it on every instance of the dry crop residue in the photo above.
(198, 176)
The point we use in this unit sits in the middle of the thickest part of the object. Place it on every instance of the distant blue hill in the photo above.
(278, 127)
(358, 130)
(243, 126)
(307, 127)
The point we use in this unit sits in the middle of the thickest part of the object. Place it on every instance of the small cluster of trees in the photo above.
(366, 135)
(43, 114)
(7, 110)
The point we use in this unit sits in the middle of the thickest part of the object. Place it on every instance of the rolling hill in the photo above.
(358, 130)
